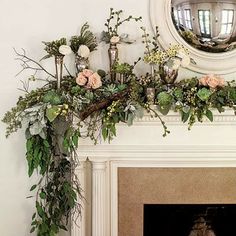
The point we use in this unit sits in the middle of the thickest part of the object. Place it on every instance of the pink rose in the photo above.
(203, 81)
(87, 73)
(221, 82)
(94, 81)
(213, 82)
(81, 79)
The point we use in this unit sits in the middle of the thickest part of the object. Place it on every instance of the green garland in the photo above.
(54, 117)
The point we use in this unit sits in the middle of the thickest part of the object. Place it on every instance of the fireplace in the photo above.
(168, 190)
(189, 219)
(140, 168)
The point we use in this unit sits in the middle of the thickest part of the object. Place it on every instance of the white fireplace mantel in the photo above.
(142, 145)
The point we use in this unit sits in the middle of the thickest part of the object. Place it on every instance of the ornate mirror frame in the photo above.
(218, 63)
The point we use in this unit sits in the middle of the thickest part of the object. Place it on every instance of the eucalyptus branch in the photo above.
(26, 60)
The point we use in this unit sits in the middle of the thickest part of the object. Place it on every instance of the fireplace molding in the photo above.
(208, 145)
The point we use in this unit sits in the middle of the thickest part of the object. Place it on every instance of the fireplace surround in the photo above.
(191, 167)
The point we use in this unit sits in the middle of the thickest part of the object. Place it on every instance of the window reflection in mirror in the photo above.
(204, 22)
(187, 18)
(208, 25)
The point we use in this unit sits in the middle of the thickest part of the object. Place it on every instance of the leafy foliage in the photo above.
(52, 133)
(86, 37)
(52, 48)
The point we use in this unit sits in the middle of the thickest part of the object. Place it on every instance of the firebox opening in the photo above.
(189, 219)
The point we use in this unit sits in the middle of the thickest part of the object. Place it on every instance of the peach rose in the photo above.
(81, 79)
(221, 82)
(87, 73)
(94, 81)
(203, 81)
(213, 82)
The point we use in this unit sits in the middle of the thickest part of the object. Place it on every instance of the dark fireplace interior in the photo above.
(189, 219)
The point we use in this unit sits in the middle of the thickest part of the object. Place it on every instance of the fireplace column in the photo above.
(100, 205)
(80, 228)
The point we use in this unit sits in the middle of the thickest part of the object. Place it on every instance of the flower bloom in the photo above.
(221, 82)
(176, 64)
(212, 81)
(203, 81)
(83, 51)
(115, 39)
(87, 73)
(65, 50)
(89, 79)
(94, 81)
(182, 53)
(81, 79)
(185, 61)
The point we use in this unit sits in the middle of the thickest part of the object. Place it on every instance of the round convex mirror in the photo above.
(207, 28)
(207, 25)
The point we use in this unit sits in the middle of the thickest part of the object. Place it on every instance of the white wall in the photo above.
(24, 24)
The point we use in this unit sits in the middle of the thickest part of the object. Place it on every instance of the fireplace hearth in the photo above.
(189, 219)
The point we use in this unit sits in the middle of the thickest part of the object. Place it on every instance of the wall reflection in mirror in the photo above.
(208, 25)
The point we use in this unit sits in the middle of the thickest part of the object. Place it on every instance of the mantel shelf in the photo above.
(226, 118)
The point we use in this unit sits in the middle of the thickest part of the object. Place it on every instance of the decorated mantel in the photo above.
(91, 104)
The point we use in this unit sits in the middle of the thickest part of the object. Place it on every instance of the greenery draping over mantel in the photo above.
(98, 100)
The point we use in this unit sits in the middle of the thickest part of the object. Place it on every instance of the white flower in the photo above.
(185, 61)
(83, 51)
(65, 50)
(182, 53)
(115, 39)
(176, 64)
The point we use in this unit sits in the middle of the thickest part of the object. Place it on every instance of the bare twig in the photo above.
(25, 63)
(68, 71)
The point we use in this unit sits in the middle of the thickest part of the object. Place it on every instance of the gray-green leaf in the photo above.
(209, 115)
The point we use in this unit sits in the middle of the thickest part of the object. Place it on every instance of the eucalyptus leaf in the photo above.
(32, 229)
(186, 109)
(42, 134)
(33, 187)
(185, 116)
(164, 109)
(139, 112)
(130, 119)
(36, 128)
(209, 115)
(43, 195)
(52, 113)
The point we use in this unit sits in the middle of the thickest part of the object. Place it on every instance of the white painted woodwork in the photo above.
(142, 145)
(219, 63)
